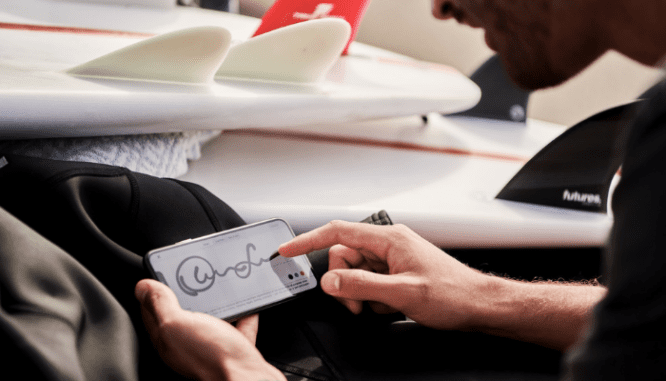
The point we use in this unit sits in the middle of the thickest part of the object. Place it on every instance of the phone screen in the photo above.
(231, 274)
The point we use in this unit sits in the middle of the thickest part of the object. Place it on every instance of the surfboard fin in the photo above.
(303, 52)
(576, 169)
(501, 99)
(288, 12)
(191, 55)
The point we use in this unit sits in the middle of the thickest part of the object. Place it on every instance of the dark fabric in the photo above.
(315, 338)
(107, 218)
(368, 348)
(57, 322)
(626, 339)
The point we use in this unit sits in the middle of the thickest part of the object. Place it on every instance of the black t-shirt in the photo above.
(626, 338)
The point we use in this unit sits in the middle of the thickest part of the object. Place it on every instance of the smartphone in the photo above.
(233, 273)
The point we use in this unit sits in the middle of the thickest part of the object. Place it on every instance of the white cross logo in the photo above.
(321, 11)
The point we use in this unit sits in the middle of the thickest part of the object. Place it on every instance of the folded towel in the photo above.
(161, 155)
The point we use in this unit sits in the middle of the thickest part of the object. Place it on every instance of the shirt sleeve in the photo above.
(625, 339)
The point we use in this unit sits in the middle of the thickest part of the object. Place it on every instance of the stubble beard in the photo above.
(520, 33)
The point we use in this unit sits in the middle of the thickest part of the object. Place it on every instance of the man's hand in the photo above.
(393, 268)
(199, 345)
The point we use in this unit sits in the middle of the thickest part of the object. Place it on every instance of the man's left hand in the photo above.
(199, 345)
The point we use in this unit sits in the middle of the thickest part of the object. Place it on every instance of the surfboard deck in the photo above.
(42, 39)
(439, 179)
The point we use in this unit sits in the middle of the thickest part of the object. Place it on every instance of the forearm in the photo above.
(545, 313)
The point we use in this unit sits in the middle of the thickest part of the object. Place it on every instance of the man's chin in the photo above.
(537, 82)
(534, 78)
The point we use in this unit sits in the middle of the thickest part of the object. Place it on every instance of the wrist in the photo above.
(493, 306)
(253, 368)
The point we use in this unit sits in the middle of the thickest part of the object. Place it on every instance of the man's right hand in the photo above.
(395, 269)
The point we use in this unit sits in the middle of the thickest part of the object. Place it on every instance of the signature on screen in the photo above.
(195, 274)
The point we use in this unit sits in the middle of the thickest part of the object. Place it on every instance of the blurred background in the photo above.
(407, 27)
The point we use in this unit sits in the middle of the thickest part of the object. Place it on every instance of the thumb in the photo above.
(364, 285)
(157, 300)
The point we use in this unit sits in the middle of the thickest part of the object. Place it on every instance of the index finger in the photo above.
(354, 235)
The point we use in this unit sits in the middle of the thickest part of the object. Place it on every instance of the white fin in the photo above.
(302, 52)
(190, 55)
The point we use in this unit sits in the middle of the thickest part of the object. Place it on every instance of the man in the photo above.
(542, 43)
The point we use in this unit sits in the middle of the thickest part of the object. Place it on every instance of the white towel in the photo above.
(161, 155)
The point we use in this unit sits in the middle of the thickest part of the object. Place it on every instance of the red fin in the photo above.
(287, 12)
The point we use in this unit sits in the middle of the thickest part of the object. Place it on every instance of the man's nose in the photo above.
(442, 9)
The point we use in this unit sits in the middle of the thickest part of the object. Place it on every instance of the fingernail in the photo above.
(139, 292)
(331, 282)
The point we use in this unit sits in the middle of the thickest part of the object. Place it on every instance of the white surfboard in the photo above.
(293, 148)
(54, 83)
(440, 179)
